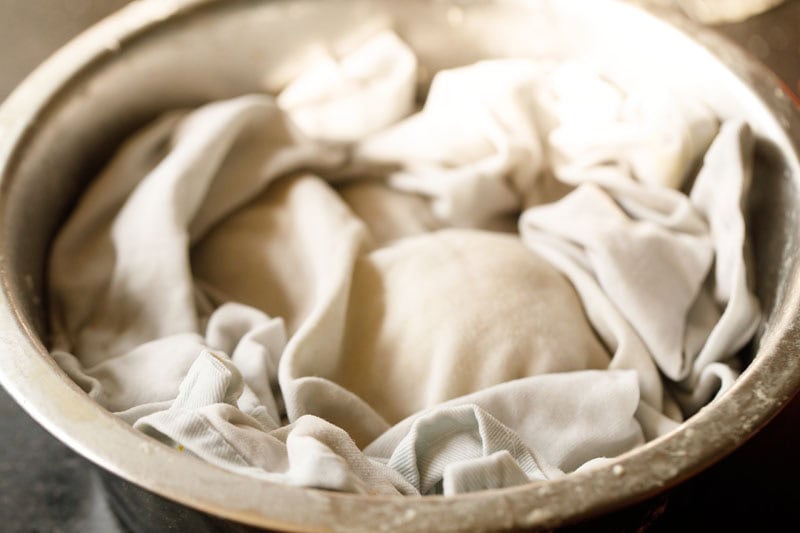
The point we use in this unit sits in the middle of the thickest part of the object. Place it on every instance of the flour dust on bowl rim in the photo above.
(63, 122)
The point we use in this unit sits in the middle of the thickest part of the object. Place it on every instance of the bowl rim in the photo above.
(35, 381)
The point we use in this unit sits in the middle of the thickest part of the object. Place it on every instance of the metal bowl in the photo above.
(62, 124)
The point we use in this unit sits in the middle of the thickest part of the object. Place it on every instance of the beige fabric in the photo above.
(474, 149)
(416, 335)
(654, 131)
(343, 100)
(720, 11)
(389, 214)
(307, 313)
(283, 243)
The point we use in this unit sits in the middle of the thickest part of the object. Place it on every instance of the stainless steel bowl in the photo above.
(60, 126)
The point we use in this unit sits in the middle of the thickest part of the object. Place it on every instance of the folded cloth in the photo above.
(123, 274)
(654, 131)
(389, 214)
(474, 148)
(362, 316)
(656, 271)
(342, 101)
(400, 355)
(395, 351)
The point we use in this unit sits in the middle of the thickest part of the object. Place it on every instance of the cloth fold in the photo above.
(330, 289)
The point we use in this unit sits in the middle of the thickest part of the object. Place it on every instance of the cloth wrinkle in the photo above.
(333, 288)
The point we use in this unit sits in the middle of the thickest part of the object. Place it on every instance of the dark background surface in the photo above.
(44, 486)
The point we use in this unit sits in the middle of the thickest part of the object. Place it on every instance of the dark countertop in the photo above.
(44, 486)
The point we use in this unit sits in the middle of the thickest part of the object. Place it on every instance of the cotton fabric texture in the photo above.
(335, 289)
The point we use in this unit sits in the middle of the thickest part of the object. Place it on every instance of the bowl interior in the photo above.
(213, 49)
